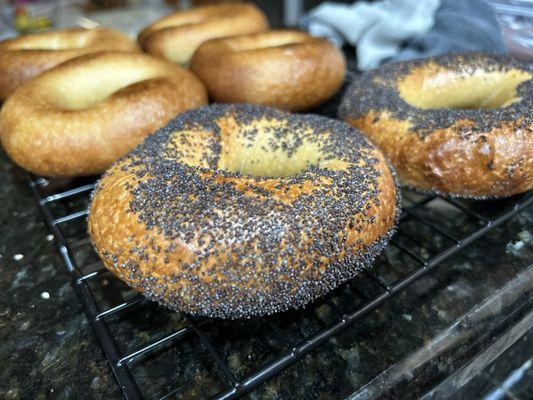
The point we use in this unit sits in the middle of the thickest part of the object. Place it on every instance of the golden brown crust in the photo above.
(80, 116)
(225, 244)
(26, 56)
(497, 163)
(176, 36)
(466, 152)
(287, 69)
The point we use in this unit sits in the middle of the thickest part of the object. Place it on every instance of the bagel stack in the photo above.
(26, 56)
(176, 36)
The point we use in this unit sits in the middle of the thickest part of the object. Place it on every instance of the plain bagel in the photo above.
(26, 56)
(241, 210)
(456, 124)
(286, 69)
(176, 36)
(80, 116)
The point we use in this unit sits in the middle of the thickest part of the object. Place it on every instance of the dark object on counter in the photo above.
(465, 25)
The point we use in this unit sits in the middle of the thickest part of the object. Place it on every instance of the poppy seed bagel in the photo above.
(239, 210)
(459, 124)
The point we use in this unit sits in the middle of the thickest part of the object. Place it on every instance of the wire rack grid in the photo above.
(419, 211)
(432, 229)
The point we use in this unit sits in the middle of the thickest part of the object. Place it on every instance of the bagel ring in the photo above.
(459, 124)
(26, 56)
(80, 116)
(287, 69)
(176, 36)
(240, 210)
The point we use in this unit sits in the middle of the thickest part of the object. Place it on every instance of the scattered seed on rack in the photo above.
(18, 257)
(45, 295)
(49, 237)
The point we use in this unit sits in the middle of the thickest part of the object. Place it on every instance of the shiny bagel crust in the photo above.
(26, 56)
(287, 69)
(212, 241)
(473, 153)
(176, 36)
(80, 116)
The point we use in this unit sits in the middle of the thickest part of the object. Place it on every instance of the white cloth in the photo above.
(377, 29)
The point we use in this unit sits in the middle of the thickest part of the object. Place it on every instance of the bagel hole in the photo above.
(266, 149)
(74, 40)
(476, 90)
(177, 21)
(190, 18)
(78, 93)
(265, 41)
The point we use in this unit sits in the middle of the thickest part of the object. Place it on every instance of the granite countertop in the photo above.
(47, 348)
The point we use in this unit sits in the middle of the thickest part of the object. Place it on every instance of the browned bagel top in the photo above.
(67, 40)
(284, 43)
(486, 90)
(26, 56)
(287, 69)
(176, 36)
(202, 17)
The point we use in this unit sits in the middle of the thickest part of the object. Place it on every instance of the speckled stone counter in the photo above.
(433, 339)
(47, 349)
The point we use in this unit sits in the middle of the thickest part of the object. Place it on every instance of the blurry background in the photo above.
(514, 16)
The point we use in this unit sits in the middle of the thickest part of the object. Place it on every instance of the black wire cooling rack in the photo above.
(135, 332)
(451, 224)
